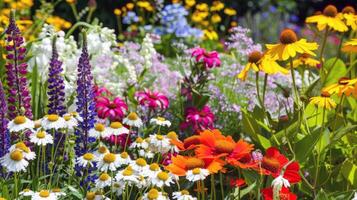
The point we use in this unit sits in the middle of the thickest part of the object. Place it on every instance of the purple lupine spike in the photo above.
(85, 100)
(4, 133)
(19, 99)
(56, 94)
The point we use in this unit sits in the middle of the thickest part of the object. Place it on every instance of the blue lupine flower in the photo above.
(130, 18)
(4, 133)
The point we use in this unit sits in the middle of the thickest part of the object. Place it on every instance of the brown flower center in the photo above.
(288, 36)
(348, 10)
(330, 11)
(254, 57)
(343, 81)
(325, 94)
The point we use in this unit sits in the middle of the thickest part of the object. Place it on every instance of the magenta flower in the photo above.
(152, 99)
(101, 91)
(114, 110)
(209, 59)
(198, 119)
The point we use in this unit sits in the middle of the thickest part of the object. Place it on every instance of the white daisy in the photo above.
(196, 174)
(133, 120)
(86, 160)
(98, 131)
(154, 194)
(103, 181)
(27, 153)
(53, 121)
(127, 175)
(14, 161)
(71, 122)
(109, 162)
(142, 182)
(26, 192)
(162, 179)
(117, 128)
(20, 123)
(118, 188)
(183, 195)
(100, 152)
(124, 159)
(139, 165)
(41, 138)
(139, 143)
(44, 195)
(159, 143)
(160, 121)
(146, 153)
(76, 116)
(154, 168)
(58, 192)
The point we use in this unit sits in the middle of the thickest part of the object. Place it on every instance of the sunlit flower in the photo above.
(306, 60)
(217, 6)
(100, 152)
(345, 86)
(133, 120)
(26, 193)
(198, 119)
(86, 159)
(114, 110)
(53, 121)
(99, 130)
(323, 101)
(197, 174)
(152, 99)
(117, 12)
(284, 193)
(116, 128)
(209, 34)
(202, 7)
(127, 175)
(328, 19)
(348, 15)
(230, 11)
(154, 194)
(162, 179)
(289, 46)
(41, 138)
(139, 143)
(109, 162)
(146, 153)
(190, 3)
(216, 18)
(350, 46)
(253, 59)
(44, 195)
(139, 165)
(103, 181)
(279, 182)
(160, 121)
(14, 161)
(20, 123)
(183, 195)
(208, 59)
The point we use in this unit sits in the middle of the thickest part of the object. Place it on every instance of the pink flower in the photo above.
(101, 91)
(114, 110)
(198, 119)
(152, 99)
(209, 59)
(118, 140)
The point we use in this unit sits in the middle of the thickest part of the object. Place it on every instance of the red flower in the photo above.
(238, 182)
(209, 59)
(198, 119)
(284, 194)
(114, 110)
(274, 162)
(152, 99)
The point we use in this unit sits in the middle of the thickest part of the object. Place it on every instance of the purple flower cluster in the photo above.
(240, 41)
(4, 133)
(56, 86)
(85, 101)
(19, 99)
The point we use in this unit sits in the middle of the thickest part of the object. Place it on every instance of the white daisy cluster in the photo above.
(53, 194)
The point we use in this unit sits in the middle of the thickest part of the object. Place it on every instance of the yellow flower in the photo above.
(269, 65)
(210, 34)
(190, 3)
(199, 16)
(234, 24)
(130, 6)
(344, 86)
(305, 59)
(202, 7)
(349, 16)
(143, 4)
(117, 12)
(217, 6)
(289, 46)
(230, 11)
(216, 18)
(323, 101)
(71, 1)
(253, 60)
(58, 22)
(328, 18)
(350, 46)
(204, 23)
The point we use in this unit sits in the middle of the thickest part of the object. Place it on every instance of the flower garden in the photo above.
(181, 100)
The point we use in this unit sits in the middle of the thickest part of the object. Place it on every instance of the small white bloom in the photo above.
(139, 165)
(44, 195)
(53, 121)
(20, 123)
(116, 128)
(127, 175)
(100, 152)
(71, 121)
(98, 131)
(159, 143)
(279, 182)
(41, 138)
(103, 181)
(133, 120)
(154, 194)
(58, 192)
(86, 159)
(162, 179)
(355, 196)
(109, 162)
(26, 193)
(139, 143)
(196, 174)
(124, 159)
(14, 161)
(160, 121)
(27, 153)
(118, 188)
(183, 195)
(146, 153)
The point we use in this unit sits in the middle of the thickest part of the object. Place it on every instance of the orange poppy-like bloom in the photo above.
(344, 86)
(181, 164)
(215, 145)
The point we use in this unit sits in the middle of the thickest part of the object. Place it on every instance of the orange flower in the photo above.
(181, 164)
(344, 86)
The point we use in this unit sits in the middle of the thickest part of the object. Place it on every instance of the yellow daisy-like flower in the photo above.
(328, 18)
(230, 11)
(217, 6)
(202, 7)
(210, 34)
(350, 46)
(190, 3)
(130, 6)
(216, 18)
(349, 16)
(269, 66)
(305, 59)
(345, 86)
(289, 46)
(323, 101)
(117, 12)
(253, 59)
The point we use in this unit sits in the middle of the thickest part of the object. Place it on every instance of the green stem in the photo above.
(265, 86)
(319, 149)
(75, 26)
(221, 184)
(294, 83)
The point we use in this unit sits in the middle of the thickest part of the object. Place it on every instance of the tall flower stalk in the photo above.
(19, 99)
(85, 100)
(4, 133)
(56, 94)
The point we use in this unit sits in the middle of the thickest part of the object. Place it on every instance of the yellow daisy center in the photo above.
(172, 135)
(44, 193)
(163, 176)
(348, 10)
(153, 194)
(22, 146)
(161, 119)
(224, 146)
(41, 134)
(26, 190)
(104, 177)
(90, 195)
(330, 11)
(192, 163)
(133, 116)
(124, 155)
(141, 162)
(288, 36)
(139, 140)
(159, 137)
(20, 120)
(184, 192)
(196, 171)
(325, 94)
(154, 167)
(56, 190)
(99, 127)
(254, 57)
(67, 117)
(102, 149)
(128, 172)
(88, 156)
(116, 125)
(52, 117)
(109, 158)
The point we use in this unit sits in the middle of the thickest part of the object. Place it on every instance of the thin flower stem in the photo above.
(264, 87)
(296, 94)
(319, 149)
(127, 139)
(221, 184)
(15, 185)
(322, 52)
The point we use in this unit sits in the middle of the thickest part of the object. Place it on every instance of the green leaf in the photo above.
(322, 195)
(242, 192)
(305, 146)
(348, 171)
(342, 132)
(251, 127)
(336, 69)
